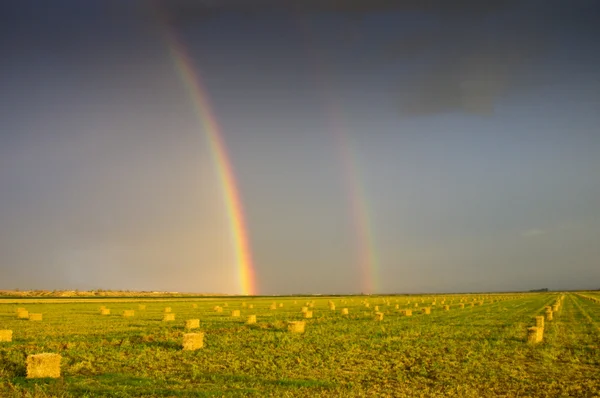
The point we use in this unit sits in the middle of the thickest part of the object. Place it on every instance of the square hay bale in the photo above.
(193, 341)
(128, 313)
(192, 324)
(296, 326)
(217, 309)
(461, 305)
(416, 305)
(332, 307)
(250, 306)
(35, 317)
(104, 311)
(23, 314)
(20, 309)
(446, 308)
(251, 320)
(280, 305)
(549, 315)
(308, 314)
(376, 308)
(407, 312)
(539, 321)
(367, 305)
(235, 313)
(304, 309)
(533, 335)
(426, 310)
(168, 316)
(167, 309)
(43, 365)
(273, 306)
(379, 316)
(344, 311)
(6, 336)
(142, 307)
(244, 305)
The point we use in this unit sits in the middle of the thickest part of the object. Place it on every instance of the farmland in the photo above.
(479, 350)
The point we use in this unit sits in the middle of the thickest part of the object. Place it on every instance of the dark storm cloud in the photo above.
(469, 55)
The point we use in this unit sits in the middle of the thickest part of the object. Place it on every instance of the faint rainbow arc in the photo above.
(363, 232)
(200, 99)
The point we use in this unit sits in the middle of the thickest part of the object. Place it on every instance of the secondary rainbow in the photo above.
(363, 232)
(200, 98)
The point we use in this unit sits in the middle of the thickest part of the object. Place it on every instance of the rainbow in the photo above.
(200, 99)
(362, 226)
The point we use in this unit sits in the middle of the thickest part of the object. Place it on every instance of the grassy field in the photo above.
(477, 351)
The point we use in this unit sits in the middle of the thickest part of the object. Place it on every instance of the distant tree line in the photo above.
(539, 290)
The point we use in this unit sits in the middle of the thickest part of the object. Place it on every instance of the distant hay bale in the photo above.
(539, 321)
(376, 308)
(555, 308)
(35, 317)
(23, 314)
(235, 313)
(280, 305)
(193, 341)
(217, 308)
(407, 312)
(142, 307)
(549, 315)
(194, 305)
(344, 311)
(167, 309)
(192, 324)
(296, 326)
(251, 320)
(102, 307)
(244, 305)
(250, 306)
(128, 313)
(168, 316)
(105, 311)
(308, 314)
(397, 306)
(311, 305)
(426, 310)
(446, 308)
(472, 304)
(43, 365)
(273, 306)
(416, 305)
(533, 335)
(461, 305)
(20, 309)
(331, 306)
(379, 316)
(304, 309)
(367, 305)
(6, 336)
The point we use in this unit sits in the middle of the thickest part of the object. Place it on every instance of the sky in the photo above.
(376, 147)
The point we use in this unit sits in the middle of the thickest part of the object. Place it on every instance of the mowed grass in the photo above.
(477, 351)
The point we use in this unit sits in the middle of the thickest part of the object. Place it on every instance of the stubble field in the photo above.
(480, 350)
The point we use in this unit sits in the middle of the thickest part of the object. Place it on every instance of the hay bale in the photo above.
(24, 314)
(244, 305)
(35, 317)
(539, 321)
(555, 308)
(194, 305)
(250, 306)
(105, 311)
(273, 306)
(168, 316)
(407, 312)
(280, 305)
(308, 314)
(102, 307)
(251, 320)
(446, 308)
(43, 365)
(416, 305)
(6, 336)
(376, 308)
(344, 311)
(192, 324)
(533, 335)
(379, 316)
(304, 309)
(128, 313)
(20, 309)
(235, 313)
(167, 309)
(142, 307)
(332, 306)
(426, 310)
(218, 309)
(296, 326)
(472, 304)
(461, 305)
(549, 315)
(193, 341)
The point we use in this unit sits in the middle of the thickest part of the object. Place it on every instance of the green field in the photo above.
(477, 351)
